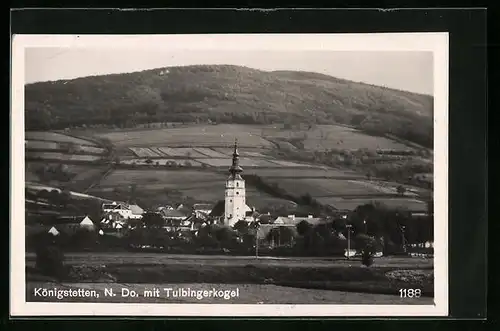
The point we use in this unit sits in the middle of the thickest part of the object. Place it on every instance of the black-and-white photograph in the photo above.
(233, 170)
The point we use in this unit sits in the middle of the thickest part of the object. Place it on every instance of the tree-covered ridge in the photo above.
(227, 94)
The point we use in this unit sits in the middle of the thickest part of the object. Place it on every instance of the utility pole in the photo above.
(257, 226)
(348, 226)
(403, 241)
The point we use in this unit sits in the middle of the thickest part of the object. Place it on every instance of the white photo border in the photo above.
(437, 43)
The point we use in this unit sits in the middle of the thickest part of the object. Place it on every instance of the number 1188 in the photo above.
(410, 293)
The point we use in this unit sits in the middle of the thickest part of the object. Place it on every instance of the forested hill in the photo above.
(227, 94)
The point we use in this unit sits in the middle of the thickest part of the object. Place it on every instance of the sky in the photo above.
(409, 70)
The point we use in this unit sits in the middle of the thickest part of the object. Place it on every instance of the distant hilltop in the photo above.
(227, 94)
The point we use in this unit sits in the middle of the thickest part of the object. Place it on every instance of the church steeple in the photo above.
(235, 169)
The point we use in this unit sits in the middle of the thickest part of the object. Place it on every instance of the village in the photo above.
(230, 224)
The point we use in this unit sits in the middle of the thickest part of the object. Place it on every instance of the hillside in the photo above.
(227, 94)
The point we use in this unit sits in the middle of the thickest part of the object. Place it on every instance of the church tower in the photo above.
(235, 204)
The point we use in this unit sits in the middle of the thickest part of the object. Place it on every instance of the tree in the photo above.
(280, 235)
(64, 198)
(401, 190)
(84, 238)
(54, 197)
(152, 220)
(303, 228)
(225, 236)
(367, 257)
(50, 260)
(241, 226)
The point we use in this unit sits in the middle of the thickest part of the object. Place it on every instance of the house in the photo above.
(87, 223)
(175, 219)
(53, 231)
(172, 214)
(124, 210)
(265, 219)
(167, 207)
(350, 253)
(202, 210)
(136, 211)
(293, 220)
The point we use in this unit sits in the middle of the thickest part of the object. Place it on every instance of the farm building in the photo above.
(173, 214)
(125, 210)
(53, 231)
(202, 210)
(293, 220)
(87, 223)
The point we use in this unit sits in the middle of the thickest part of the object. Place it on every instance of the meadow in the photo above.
(251, 152)
(153, 152)
(175, 177)
(41, 144)
(181, 152)
(307, 172)
(326, 137)
(244, 162)
(56, 137)
(62, 157)
(318, 187)
(160, 185)
(195, 135)
(394, 202)
(162, 162)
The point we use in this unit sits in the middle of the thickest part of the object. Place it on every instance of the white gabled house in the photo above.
(87, 223)
(124, 210)
(53, 231)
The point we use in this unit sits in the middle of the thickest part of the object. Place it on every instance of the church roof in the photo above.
(235, 169)
(218, 209)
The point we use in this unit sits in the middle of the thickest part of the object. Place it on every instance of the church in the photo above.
(235, 207)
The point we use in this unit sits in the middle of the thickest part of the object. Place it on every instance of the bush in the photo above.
(50, 261)
(367, 257)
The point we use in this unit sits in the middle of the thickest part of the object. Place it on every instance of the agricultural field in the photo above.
(180, 152)
(89, 149)
(144, 177)
(207, 152)
(244, 162)
(318, 187)
(201, 186)
(62, 156)
(144, 152)
(162, 162)
(195, 135)
(251, 152)
(325, 137)
(351, 204)
(56, 137)
(303, 172)
(40, 144)
(56, 146)
(292, 164)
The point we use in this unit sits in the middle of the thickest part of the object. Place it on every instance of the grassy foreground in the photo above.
(355, 278)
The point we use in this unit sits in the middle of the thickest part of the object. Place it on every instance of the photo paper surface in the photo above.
(229, 175)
